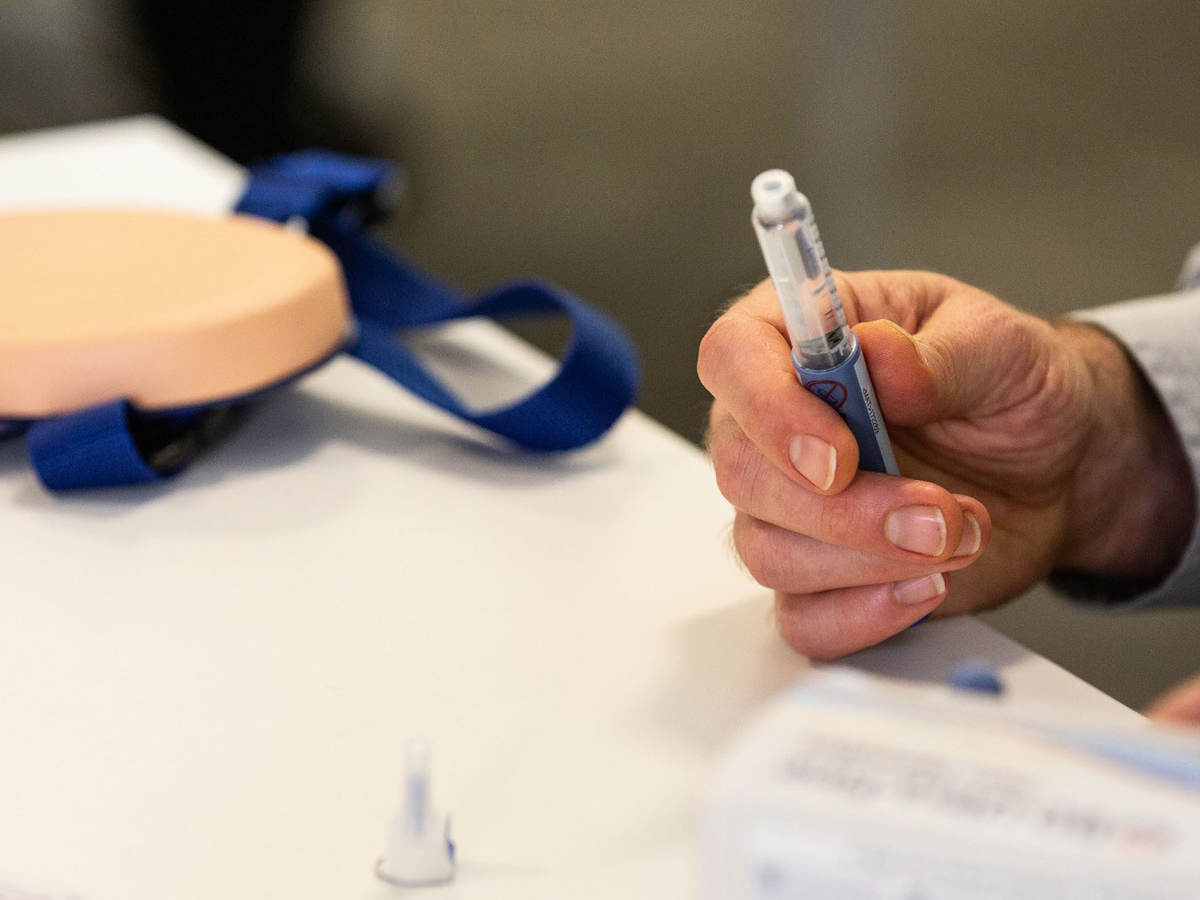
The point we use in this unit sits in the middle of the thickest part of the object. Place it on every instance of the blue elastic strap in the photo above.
(91, 448)
(598, 377)
(320, 185)
(117, 444)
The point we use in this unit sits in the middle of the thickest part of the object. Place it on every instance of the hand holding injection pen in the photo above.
(855, 556)
(1047, 429)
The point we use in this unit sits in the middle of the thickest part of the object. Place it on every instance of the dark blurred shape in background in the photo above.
(1049, 152)
(229, 73)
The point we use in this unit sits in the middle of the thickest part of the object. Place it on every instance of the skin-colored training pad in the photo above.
(162, 309)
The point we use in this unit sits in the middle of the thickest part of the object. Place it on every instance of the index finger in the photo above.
(745, 362)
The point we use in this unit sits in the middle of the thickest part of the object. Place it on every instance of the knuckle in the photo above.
(758, 552)
(811, 626)
(714, 348)
(738, 466)
(748, 547)
(827, 652)
(714, 434)
(798, 632)
(763, 412)
(839, 517)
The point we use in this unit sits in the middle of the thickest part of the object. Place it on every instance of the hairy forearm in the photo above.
(1132, 504)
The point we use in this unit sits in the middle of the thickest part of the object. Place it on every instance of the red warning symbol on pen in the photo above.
(830, 391)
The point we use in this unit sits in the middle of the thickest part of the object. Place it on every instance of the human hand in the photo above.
(1023, 446)
(1180, 705)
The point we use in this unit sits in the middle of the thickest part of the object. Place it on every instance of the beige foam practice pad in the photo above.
(163, 309)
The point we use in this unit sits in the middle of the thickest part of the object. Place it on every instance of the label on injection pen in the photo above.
(848, 389)
(874, 416)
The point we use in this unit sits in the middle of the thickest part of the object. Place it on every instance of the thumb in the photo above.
(925, 377)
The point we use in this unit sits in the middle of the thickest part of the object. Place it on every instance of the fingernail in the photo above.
(921, 529)
(814, 458)
(919, 590)
(971, 536)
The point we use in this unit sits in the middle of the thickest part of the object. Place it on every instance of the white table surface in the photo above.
(206, 686)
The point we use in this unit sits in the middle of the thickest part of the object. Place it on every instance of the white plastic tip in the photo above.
(418, 849)
(775, 196)
(413, 861)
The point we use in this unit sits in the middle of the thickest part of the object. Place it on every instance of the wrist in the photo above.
(1132, 504)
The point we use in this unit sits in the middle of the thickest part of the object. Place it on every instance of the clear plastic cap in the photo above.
(791, 246)
(418, 849)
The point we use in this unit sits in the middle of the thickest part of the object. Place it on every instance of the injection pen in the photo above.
(825, 352)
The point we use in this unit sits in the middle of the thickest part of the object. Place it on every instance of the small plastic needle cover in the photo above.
(418, 849)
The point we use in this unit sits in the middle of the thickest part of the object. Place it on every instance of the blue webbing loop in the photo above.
(90, 448)
(595, 383)
(115, 443)
(319, 185)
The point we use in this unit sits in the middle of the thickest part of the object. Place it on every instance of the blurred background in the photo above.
(1047, 150)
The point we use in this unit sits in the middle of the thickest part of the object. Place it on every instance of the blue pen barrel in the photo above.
(847, 388)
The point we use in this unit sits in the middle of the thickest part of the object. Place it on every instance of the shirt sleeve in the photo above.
(1163, 335)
